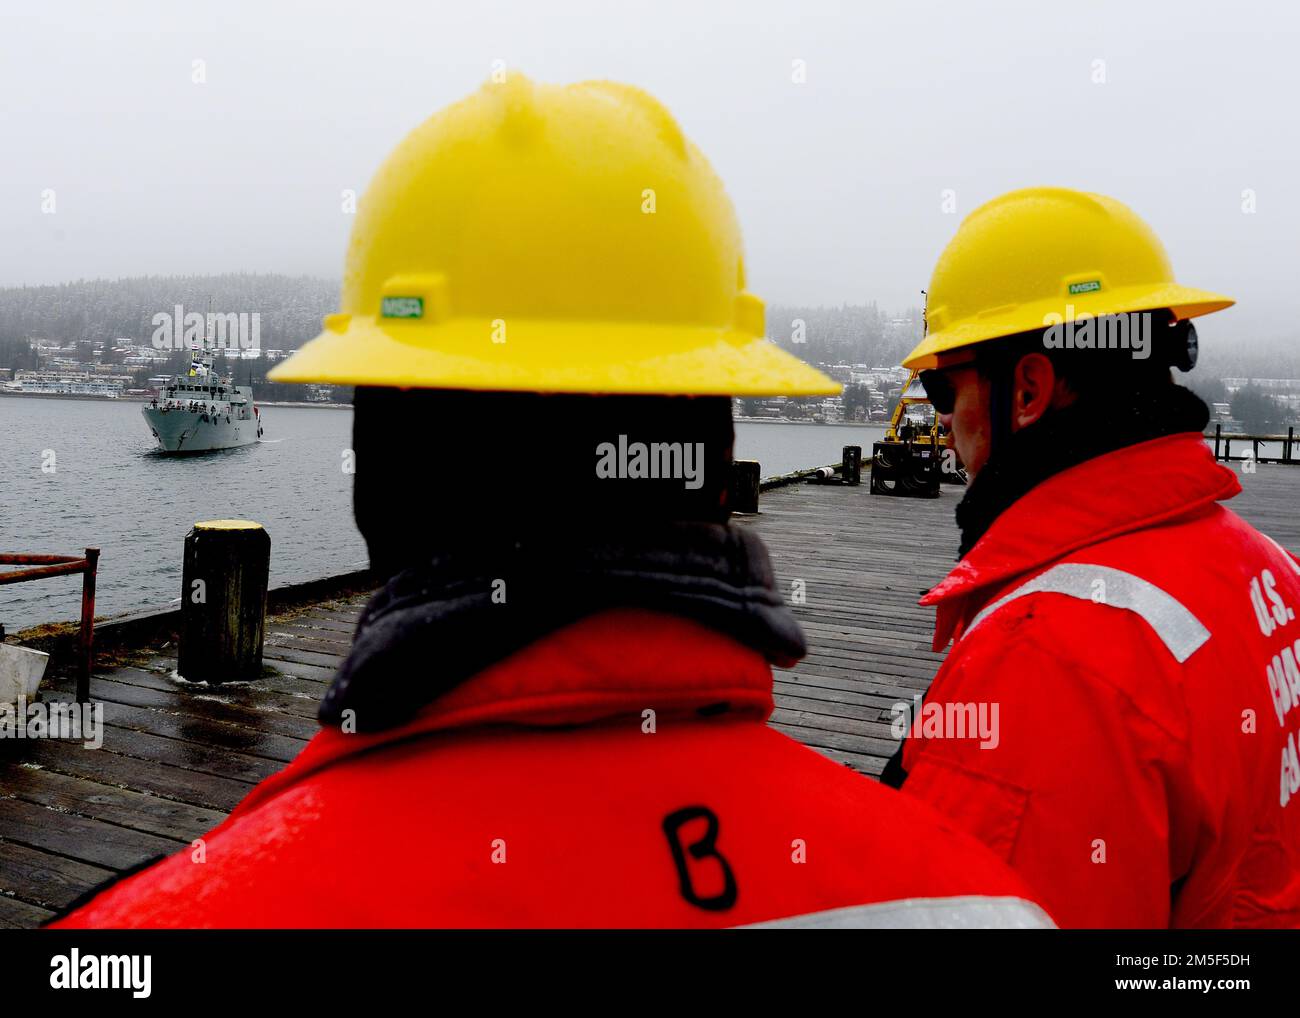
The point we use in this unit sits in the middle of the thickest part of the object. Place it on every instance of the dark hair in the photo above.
(1091, 372)
(435, 467)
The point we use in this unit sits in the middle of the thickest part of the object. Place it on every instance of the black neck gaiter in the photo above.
(441, 621)
(1064, 438)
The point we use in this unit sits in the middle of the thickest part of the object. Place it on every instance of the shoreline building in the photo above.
(69, 383)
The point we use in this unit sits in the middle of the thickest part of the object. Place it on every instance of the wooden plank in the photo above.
(19, 915)
(282, 653)
(188, 756)
(319, 625)
(856, 713)
(338, 615)
(43, 879)
(307, 639)
(277, 660)
(196, 730)
(278, 691)
(880, 734)
(863, 681)
(871, 738)
(863, 745)
(149, 776)
(258, 701)
(149, 813)
(251, 715)
(868, 765)
(80, 838)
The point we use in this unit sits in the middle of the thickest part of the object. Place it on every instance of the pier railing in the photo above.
(61, 565)
(1223, 446)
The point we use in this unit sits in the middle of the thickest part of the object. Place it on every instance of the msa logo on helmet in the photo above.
(1091, 286)
(402, 307)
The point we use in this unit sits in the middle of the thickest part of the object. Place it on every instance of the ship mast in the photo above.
(206, 359)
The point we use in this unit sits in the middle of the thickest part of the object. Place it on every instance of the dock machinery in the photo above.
(916, 455)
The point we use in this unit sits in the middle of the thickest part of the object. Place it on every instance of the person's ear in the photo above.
(1033, 389)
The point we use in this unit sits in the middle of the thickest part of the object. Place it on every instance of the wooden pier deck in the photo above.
(175, 760)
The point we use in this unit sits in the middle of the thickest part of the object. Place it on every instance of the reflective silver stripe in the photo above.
(1178, 628)
(972, 912)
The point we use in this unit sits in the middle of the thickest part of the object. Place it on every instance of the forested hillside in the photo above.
(291, 308)
(104, 310)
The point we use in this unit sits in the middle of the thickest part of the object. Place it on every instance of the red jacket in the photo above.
(536, 795)
(1136, 643)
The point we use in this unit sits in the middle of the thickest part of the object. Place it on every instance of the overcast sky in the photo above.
(839, 181)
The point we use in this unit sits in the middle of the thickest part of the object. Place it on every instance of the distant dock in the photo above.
(176, 759)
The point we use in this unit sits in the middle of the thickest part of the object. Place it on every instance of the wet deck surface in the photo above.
(177, 758)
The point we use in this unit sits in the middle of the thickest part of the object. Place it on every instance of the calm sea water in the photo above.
(109, 488)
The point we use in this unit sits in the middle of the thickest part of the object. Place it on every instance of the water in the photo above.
(781, 448)
(109, 488)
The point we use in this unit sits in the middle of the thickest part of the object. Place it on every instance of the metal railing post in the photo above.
(87, 624)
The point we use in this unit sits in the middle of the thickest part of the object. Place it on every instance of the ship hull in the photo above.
(181, 432)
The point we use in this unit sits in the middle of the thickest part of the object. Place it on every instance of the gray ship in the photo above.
(201, 412)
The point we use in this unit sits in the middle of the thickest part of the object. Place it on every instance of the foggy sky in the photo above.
(838, 181)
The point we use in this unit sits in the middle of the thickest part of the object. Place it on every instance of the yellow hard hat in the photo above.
(549, 238)
(1044, 251)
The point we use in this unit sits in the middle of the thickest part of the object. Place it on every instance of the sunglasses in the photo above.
(939, 390)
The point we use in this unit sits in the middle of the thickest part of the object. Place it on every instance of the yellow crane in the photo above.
(916, 455)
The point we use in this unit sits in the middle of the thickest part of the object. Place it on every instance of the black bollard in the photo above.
(223, 601)
(851, 464)
(743, 494)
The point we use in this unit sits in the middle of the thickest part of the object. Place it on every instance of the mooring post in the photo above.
(742, 496)
(87, 625)
(1218, 431)
(851, 464)
(1290, 440)
(223, 601)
